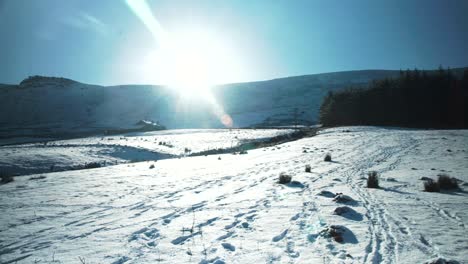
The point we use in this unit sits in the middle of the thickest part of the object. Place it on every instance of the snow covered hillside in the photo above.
(60, 155)
(230, 208)
(57, 107)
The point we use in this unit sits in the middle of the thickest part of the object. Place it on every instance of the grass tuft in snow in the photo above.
(333, 231)
(92, 165)
(82, 260)
(342, 198)
(308, 168)
(328, 157)
(284, 178)
(40, 177)
(446, 182)
(440, 260)
(431, 186)
(342, 210)
(5, 177)
(373, 180)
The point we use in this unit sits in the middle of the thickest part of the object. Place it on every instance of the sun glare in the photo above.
(191, 60)
(189, 64)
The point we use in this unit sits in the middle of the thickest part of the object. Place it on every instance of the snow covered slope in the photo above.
(45, 106)
(60, 155)
(231, 209)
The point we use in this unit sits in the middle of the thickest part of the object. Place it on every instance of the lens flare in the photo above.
(142, 10)
(226, 120)
(184, 66)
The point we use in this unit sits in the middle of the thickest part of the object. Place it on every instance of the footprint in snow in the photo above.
(196, 206)
(182, 239)
(169, 217)
(121, 260)
(208, 222)
(295, 217)
(233, 224)
(280, 236)
(290, 249)
(145, 234)
(219, 198)
(227, 235)
(250, 218)
(215, 260)
(228, 246)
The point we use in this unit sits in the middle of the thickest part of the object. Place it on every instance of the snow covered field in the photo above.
(73, 153)
(229, 208)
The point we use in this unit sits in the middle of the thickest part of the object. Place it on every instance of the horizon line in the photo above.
(243, 82)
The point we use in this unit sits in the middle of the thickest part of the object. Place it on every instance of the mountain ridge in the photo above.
(45, 106)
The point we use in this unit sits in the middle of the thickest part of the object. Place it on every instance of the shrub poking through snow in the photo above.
(284, 178)
(342, 210)
(431, 186)
(341, 198)
(446, 182)
(92, 165)
(334, 231)
(372, 180)
(5, 178)
(40, 177)
(441, 261)
(308, 168)
(327, 157)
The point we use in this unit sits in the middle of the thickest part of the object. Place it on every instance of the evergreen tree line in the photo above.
(425, 99)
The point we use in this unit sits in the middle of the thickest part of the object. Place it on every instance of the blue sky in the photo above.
(103, 42)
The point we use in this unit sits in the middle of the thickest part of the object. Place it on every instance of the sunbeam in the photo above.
(142, 10)
(190, 61)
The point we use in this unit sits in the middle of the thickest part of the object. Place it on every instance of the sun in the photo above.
(190, 66)
(190, 61)
(193, 61)
(188, 58)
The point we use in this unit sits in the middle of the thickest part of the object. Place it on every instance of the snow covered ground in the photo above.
(74, 153)
(230, 208)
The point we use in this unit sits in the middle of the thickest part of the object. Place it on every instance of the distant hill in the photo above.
(2, 85)
(49, 106)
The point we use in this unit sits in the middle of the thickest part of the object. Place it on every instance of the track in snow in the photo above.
(202, 209)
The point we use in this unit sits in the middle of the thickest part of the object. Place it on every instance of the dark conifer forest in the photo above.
(424, 99)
